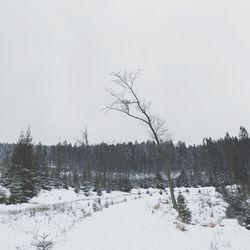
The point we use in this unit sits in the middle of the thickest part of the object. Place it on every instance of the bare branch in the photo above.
(84, 137)
(127, 113)
(128, 102)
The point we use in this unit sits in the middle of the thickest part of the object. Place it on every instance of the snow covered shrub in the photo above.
(184, 214)
(32, 212)
(156, 206)
(139, 192)
(106, 204)
(85, 189)
(99, 192)
(44, 243)
(181, 226)
(86, 193)
(238, 207)
(96, 207)
(244, 221)
(77, 189)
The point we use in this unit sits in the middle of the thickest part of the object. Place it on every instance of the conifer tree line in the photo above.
(27, 168)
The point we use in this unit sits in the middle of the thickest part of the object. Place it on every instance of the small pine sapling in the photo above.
(44, 243)
(184, 213)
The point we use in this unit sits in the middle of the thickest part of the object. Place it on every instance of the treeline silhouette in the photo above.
(124, 165)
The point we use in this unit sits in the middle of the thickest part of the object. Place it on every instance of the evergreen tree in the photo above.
(22, 174)
(125, 185)
(159, 181)
(184, 212)
(98, 187)
(76, 182)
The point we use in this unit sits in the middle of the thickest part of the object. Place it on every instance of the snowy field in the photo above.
(140, 220)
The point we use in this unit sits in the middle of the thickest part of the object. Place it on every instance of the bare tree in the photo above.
(127, 101)
(83, 141)
(84, 137)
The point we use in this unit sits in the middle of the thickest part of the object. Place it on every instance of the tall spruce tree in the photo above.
(23, 171)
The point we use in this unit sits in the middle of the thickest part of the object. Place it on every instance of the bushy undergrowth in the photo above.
(238, 205)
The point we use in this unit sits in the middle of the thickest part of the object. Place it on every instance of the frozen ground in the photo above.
(121, 221)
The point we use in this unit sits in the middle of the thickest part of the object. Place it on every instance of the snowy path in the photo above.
(132, 226)
(124, 226)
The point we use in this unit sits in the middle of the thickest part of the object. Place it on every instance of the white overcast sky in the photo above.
(56, 56)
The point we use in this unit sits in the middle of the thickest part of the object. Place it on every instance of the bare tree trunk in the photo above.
(170, 183)
(167, 171)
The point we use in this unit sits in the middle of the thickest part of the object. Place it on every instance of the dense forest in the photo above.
(125, 165)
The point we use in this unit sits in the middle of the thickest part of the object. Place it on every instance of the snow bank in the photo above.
(206, 205)
(55, 196)
(140, 220)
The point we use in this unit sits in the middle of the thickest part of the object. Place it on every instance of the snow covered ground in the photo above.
(119, 220)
